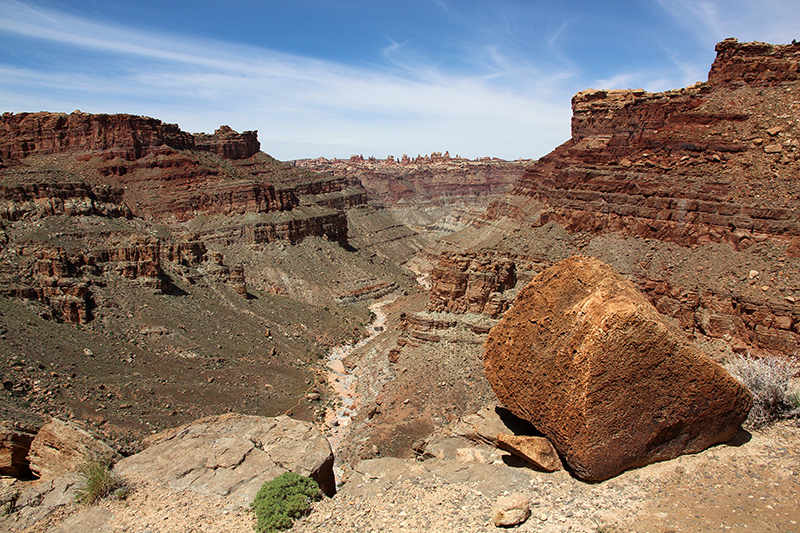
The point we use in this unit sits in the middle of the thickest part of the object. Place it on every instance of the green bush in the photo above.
(283, 499)
(768, 380)
(97, 482)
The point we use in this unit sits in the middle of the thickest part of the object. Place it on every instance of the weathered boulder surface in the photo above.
(591, 364)
(232, 455)
(60, 447)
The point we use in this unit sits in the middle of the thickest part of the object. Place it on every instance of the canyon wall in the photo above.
(127, 136)
(715, 162)
(60, 172)
(711, 168)
(426, 179)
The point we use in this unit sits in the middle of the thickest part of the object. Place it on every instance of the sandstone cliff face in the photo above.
(755, 63)
(158, 171)
(468, 283)
(690, 166)
(127, 136)
(707, 167)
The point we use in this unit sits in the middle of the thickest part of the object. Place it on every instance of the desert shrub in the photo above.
(283, 499)
(97, 482)
(768, 380)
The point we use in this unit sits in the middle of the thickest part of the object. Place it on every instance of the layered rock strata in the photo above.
(52, 199)
(65, 279)
(689, 166)
(158, 172)
(469, 283)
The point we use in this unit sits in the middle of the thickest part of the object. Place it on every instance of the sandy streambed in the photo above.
(338, 417)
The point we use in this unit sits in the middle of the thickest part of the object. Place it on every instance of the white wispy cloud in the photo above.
(301, 106)
(710, 21)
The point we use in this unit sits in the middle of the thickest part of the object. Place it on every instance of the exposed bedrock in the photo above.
(471, 283)
(690, 166)
(127, 136)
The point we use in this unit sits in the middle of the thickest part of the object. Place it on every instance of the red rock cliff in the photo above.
(690, 166)
(713, 163)
(127, 136)
(229, 144)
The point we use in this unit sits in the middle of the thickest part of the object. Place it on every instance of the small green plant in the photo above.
(98, 482)
(283, 499)
(768, 380)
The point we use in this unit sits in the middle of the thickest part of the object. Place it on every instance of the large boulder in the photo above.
(592, 365)
(61, 447)
(232, 455)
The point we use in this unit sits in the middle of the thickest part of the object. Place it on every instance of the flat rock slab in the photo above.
(586, 358)
(92, 520)
(536, 450)
(489, 422)
(232, 455)
(35, 503)
(490, 479)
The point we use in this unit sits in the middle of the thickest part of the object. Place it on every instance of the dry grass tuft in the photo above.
(768, 380)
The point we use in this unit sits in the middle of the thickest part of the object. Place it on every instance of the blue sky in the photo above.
(335, 78)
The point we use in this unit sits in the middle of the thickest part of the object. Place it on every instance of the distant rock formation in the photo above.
(468, 283)
(419, 191)
(590, 363)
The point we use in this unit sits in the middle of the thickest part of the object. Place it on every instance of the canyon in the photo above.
(150, 276)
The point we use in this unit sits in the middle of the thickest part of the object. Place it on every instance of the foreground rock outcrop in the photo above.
(589, 362)
(15, 441)
(232, 455)
(61, 447)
